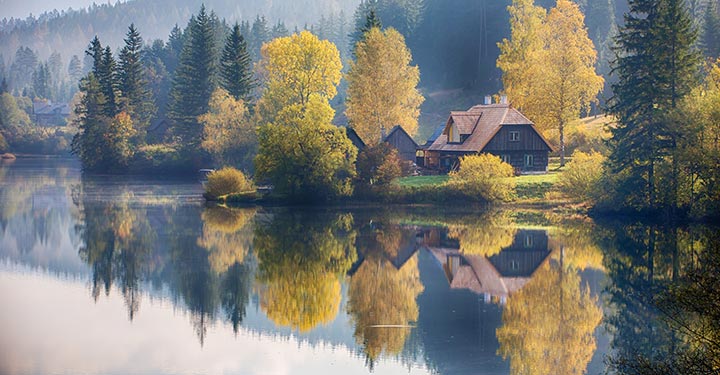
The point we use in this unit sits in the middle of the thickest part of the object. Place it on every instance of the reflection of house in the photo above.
(496, 129)
(409, 245)
(499, 275)
(48, 114)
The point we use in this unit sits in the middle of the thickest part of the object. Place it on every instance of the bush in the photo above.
(582, 175)
(227, 181)
(483, 177)
(378, 165)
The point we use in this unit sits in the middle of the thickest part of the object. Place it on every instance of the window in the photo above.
(505, 158)
(453, 134)
(514, 265)
(529, 160)
(528, 241)
(514, 136)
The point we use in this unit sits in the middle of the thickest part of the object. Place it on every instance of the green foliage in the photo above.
(194, 80)
(657, 41)
(483, 177)
(226, 181)
(306, 159)
(300, 152)
(132, 83)
(236, 67)
(378, 165)
(581, 176)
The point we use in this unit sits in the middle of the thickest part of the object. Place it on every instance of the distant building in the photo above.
(496, 129)
(46, 113)
(355, 138)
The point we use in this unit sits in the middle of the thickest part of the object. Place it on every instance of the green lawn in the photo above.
(416, 181)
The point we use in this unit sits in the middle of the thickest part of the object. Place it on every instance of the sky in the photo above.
(23, 8)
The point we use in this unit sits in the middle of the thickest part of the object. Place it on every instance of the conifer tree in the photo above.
(75, 69)
(133, 85)
(194, 80)
(236, 75)
(89, 142)
(107, 76)
(711, 30)
(41, 82)
(656, 65)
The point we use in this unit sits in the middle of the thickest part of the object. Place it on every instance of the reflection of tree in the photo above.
(549, 324)
(580, 248)
(381, 295)
(118, 241)
(485, 237)
(301, 259)
(226, 236)
(666, 314)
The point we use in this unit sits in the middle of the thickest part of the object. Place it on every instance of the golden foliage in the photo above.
(382, 86)
(549, 64)
(381, 295)
(225, 181)
(301, 260)
(548, 326)
(484, 176)
(482, 240)
(517, 55)
(226, 236)
(296, 69)
(228, 132)
(303, 301)
(581, 175)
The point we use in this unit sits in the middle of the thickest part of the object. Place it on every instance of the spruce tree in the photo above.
(41, 84)
(194, 79)
(89, 143)
(107, 77)
(75, 69)
(655, 64)
(236, 75)
(136, 96)
(711, 30)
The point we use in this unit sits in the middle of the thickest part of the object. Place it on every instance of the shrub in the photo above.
(582, 175)
(378, 165)
(227, 181)
(483, 177)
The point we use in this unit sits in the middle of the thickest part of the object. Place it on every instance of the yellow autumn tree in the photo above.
(228, 131)
(383, 304)
(549, 65)
(299, 150)
(570, 83)
(382, 86)
(295, 69)
(548, 326)
(519, 54)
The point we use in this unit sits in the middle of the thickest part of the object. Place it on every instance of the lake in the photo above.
(107, 275)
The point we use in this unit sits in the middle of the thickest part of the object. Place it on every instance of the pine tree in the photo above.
(365, 19)
(75, 69)
(133, 85)
(89, 142)
(259, 34)
(656, 65)
(41, 84)
(107, 76)
(711, 30)
(194, 79)
(236, 67)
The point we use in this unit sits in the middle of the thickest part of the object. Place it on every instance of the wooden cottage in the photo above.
(496, 129)
(403, 142)
(355, 138)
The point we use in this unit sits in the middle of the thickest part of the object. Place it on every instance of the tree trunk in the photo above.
(562, 143)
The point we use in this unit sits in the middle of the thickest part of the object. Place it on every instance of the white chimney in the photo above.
(488, 99)
(503, 99)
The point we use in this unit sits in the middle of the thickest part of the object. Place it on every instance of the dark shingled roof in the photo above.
(480, 123)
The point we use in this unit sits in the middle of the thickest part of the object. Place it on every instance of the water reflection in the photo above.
(450, 292)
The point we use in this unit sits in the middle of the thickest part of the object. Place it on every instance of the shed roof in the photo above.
(398, 128)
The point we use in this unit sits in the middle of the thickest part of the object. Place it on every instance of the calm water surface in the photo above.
(107, 276)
